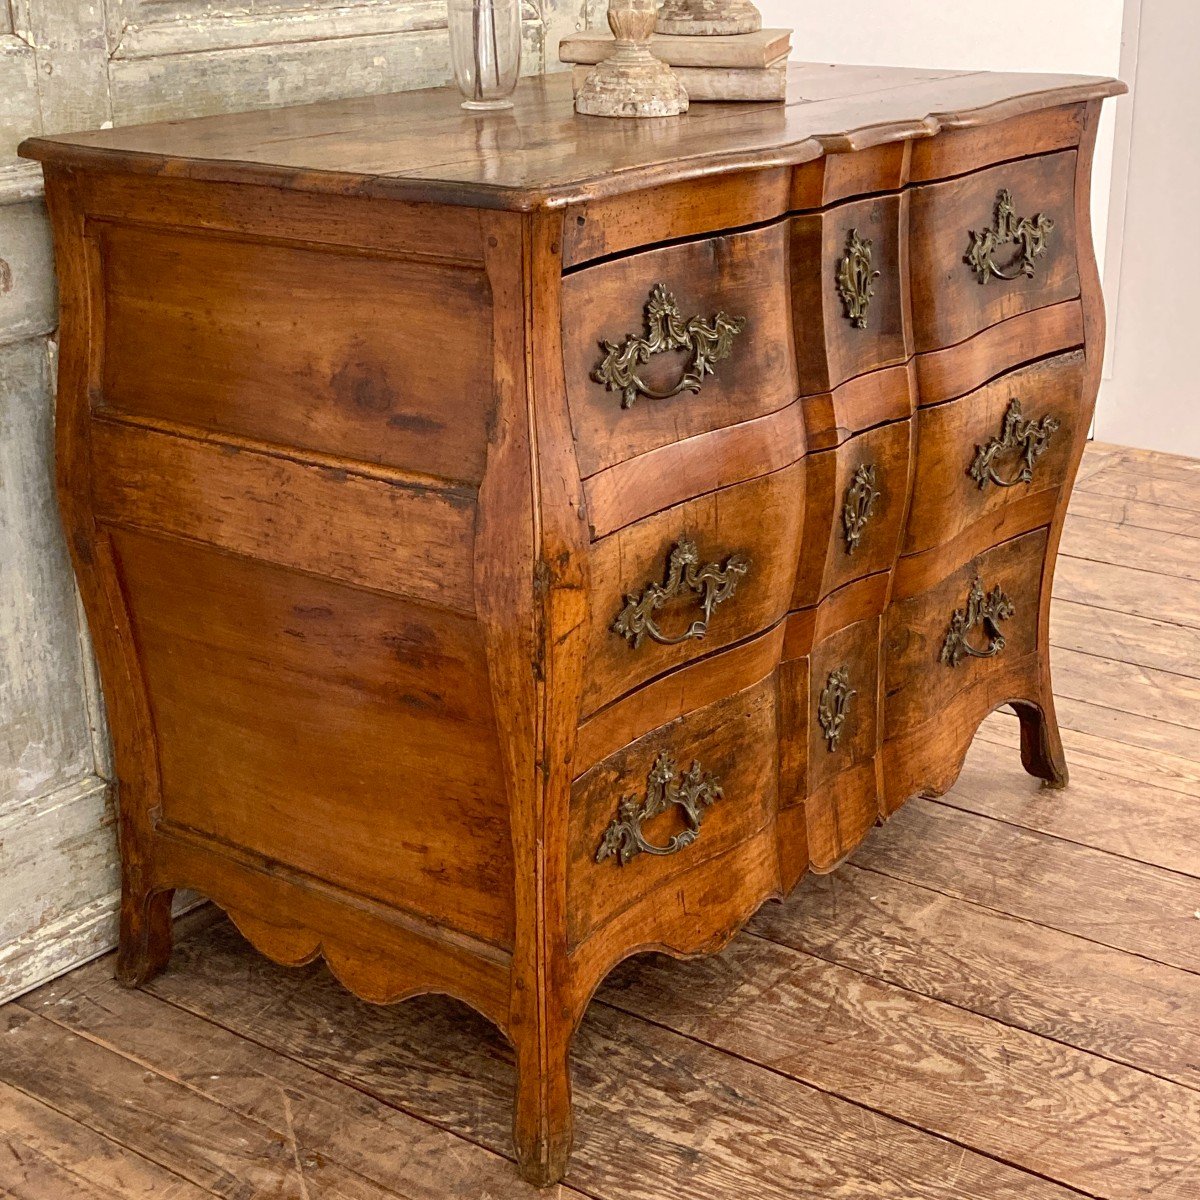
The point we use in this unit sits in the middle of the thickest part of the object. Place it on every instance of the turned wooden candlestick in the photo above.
(708, 16)
(631, 82)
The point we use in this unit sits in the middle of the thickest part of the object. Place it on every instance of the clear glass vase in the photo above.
(485, 50)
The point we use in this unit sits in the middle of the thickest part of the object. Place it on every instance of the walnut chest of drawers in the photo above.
(513, 542)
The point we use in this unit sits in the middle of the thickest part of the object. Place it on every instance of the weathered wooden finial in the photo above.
(708, 16)
(631, 82)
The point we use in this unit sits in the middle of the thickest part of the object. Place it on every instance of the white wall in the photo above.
(1082, 36)
(1151, 398)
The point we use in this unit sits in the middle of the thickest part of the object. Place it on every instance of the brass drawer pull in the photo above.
(983, 610)
(858, 504)
(691, 792)
(856, 280)
(833, 706)
(713, 584)
(708, 342)
(1031, 234)
(1028, 438)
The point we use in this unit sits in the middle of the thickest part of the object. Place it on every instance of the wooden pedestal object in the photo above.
(499, 569)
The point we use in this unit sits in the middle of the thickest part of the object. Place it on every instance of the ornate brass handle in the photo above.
(856, 280)
(691, 792)
(858, 504)
(713, 583)
(708, 342)
(1029, 438)
(834, 705)
(1030, 234)
(983, 610)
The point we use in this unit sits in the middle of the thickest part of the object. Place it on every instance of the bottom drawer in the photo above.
(954, 652)
(843, 737)
(671, 800)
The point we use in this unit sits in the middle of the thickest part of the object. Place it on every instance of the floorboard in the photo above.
(997, 998)
(656, 1112)
(1062, 987)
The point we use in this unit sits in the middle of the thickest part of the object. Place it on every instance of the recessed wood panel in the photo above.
(950, 303)
(301, 346)
(412, 541)
(293, 713)
(743, 275)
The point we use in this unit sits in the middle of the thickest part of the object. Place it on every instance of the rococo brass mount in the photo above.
(856, 279)
(1029, 438)
(858, 504)
(1031, 234)
(708, 341)
(833, 706)
(693, 792)
(982, 610)
(713, 583)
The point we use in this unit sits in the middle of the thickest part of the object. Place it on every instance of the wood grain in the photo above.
(711, 1124)
(1129, 817)
(420, 145)
(879, 1046)
(325, 1119)
(417, 541)
(740, 274)
(1064, 988)
(1106, 899)
(238, 337)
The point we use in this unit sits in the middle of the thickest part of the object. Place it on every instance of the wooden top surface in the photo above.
(424, 146)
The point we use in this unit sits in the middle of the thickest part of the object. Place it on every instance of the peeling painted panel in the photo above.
(207, 82)
(270, 75)
(45, 740)
(28, 305)
(68, 39)
(151, 28)
(60, 883)
(19, 112)
(560, 19)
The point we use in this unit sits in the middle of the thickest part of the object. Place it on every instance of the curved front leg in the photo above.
(1041, 744)
(543, 1127)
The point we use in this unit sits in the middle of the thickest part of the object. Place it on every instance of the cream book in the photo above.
(719, 83)
(758, 50)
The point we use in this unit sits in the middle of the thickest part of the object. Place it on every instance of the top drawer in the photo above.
(669, 343)
(992, 245)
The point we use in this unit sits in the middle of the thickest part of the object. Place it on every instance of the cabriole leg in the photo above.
(1041, 746)
(542, 1125)
(144, 945)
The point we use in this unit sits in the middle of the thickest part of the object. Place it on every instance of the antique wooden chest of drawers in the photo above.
(513, 542)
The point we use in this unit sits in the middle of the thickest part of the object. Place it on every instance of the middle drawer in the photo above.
(691, 579)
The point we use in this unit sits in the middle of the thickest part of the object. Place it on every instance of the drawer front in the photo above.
(849, 295)
(843, 736)
(854, 510)
(990, 246)
(974, 626)
(668, 802)
(1000, 454)
(669, 343)
(691, 579)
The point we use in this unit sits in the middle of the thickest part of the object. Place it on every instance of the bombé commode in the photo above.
(515, 542)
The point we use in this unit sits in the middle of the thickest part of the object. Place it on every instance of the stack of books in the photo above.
(736, 66)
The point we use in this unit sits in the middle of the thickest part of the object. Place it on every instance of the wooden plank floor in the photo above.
(998, 998)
